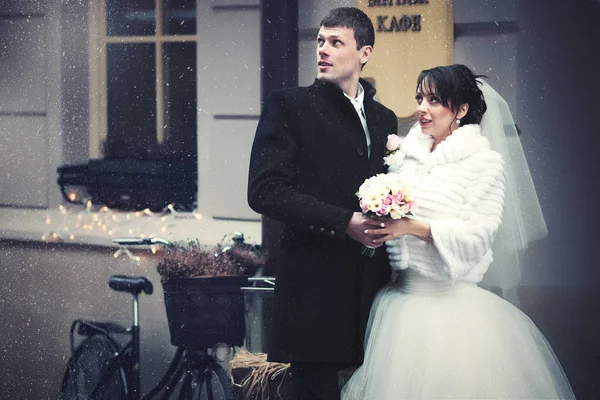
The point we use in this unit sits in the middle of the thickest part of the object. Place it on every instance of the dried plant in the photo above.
(188, 260)
(267, 380)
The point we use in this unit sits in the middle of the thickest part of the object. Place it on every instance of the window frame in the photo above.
(98, 39)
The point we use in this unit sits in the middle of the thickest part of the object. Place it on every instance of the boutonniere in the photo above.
(392, 144)
(393, 155)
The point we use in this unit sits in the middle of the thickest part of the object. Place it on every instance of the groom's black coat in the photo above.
(308, 160)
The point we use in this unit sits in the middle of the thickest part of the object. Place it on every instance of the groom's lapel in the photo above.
(378, 138)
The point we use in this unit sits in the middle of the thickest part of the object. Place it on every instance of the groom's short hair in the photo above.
(355, 19)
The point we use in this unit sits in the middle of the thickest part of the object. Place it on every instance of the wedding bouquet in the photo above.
(384, 196)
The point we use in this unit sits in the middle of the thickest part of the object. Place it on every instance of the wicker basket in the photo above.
(205, 311)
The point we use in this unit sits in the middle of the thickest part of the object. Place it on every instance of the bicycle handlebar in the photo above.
(265, 279)
(138, 241)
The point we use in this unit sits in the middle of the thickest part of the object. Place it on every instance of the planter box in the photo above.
(205, 311)
(130, 184)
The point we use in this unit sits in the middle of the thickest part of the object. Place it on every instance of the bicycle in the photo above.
(101, 367)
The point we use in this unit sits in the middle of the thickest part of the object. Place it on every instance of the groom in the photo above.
(314, 146)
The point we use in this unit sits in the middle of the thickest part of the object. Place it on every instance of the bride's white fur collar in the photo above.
(463, 142)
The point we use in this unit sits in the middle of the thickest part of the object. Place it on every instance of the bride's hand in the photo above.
(382, 231)
(357, 230)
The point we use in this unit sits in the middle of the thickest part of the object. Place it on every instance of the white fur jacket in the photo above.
(459, 191)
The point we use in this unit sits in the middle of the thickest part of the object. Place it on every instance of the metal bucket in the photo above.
(258, 306)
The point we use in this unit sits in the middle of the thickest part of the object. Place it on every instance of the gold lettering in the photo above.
(381, 23)
(402, 23)
(416, 23)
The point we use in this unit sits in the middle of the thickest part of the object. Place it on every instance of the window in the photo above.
(143, 79)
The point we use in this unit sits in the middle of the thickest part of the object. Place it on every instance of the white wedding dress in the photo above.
(433, 333)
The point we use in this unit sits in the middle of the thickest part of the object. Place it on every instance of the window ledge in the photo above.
(66, 225)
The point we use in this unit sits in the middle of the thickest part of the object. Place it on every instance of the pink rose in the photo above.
(384, 209)
(389, 199)
(399, 197)
(393, 142)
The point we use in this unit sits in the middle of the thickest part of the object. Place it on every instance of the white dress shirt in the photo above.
(358, 104)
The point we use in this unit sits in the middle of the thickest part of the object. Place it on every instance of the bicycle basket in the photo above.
(204, 311)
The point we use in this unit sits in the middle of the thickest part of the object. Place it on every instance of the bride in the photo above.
(433, 332)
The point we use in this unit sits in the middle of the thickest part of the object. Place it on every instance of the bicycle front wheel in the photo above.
(91, 370)
(211, 384)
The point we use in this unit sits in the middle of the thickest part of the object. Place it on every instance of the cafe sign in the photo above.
(410, 36)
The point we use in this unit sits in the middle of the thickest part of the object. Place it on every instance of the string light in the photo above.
(72, 222)
(127, 252)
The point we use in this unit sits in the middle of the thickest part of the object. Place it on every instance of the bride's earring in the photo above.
(458, 121)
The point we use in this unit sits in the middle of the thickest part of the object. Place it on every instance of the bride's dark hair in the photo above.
(454, 85)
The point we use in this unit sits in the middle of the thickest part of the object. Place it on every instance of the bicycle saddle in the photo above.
(130, 284)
